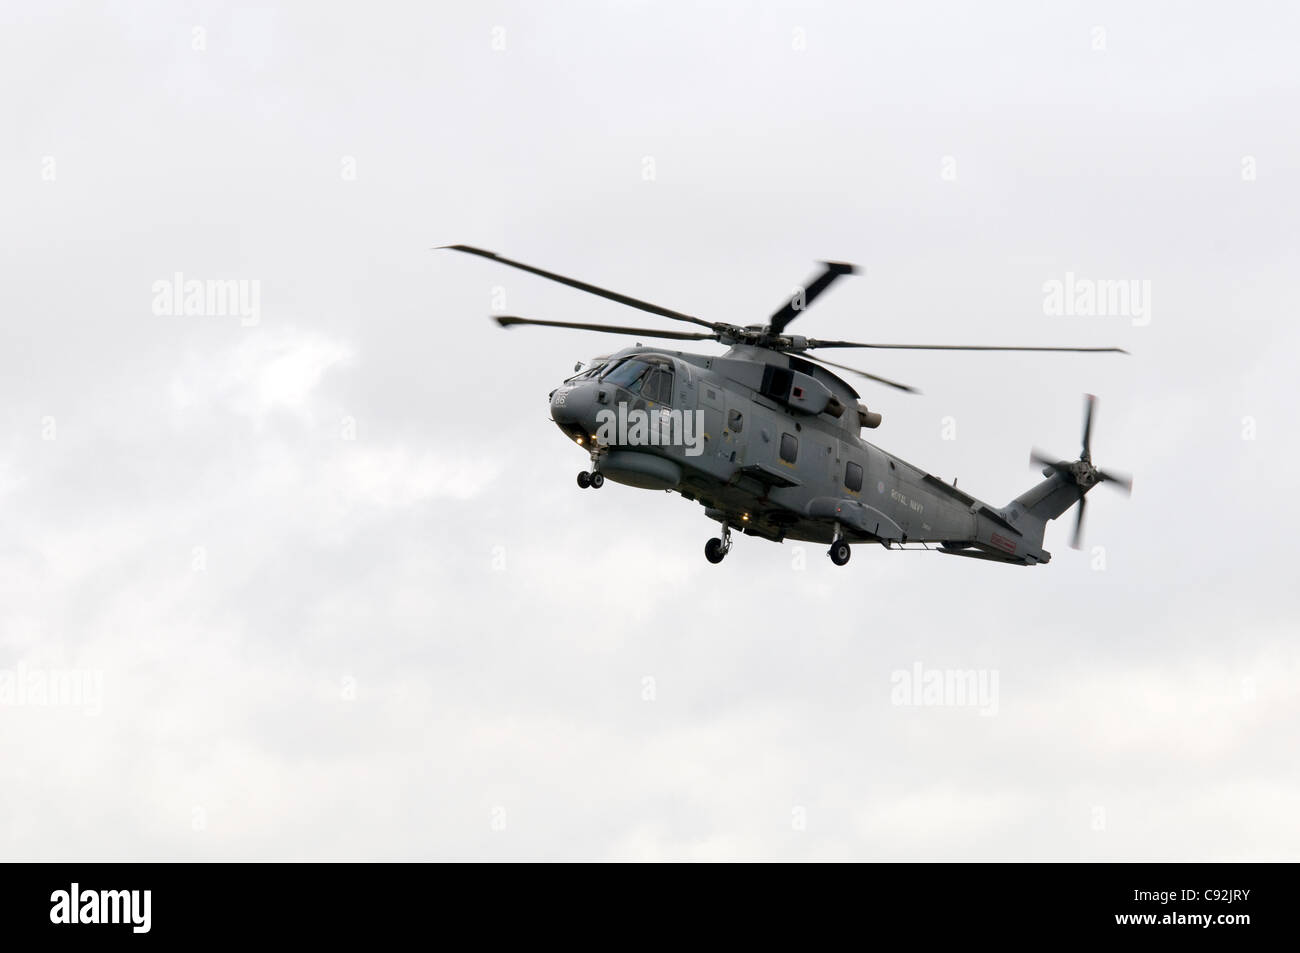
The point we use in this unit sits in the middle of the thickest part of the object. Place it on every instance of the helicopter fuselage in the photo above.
(770, 445)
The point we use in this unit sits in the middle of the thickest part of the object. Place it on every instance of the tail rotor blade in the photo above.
(1077, 539)
(1087, 426)
(1037, 456)
(1121, 480)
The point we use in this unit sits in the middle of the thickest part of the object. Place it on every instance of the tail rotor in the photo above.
(1081, 472)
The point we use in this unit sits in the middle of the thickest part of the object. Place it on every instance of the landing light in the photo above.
(745, 518)
(579, 440)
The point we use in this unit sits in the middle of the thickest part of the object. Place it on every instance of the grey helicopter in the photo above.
(768, 439)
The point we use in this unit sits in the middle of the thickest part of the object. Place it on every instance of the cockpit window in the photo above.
(658, 386)
(628, 373)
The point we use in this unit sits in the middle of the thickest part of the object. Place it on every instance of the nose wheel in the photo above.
(594, 480)
(716, 549)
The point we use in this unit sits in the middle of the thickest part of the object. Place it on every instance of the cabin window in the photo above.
(789, 447)
(853, 476)
(735, 421)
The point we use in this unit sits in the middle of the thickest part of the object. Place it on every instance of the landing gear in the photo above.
(584, 479)
(594, 480)
(716, 549)
(839, 551)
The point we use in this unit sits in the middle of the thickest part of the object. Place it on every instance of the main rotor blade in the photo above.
(964, 347)
(1077, 539)
(871, 377)
(1121, 480)
(805, 296)
(582, 286)
(507, 321)
(1089, 402)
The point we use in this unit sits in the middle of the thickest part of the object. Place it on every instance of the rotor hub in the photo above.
(1085, 474)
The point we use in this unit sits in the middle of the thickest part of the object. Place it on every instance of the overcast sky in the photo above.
(323, 573)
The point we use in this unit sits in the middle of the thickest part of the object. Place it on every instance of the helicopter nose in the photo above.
(576, 406)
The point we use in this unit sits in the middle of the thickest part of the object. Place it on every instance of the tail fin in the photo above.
(1031, 510)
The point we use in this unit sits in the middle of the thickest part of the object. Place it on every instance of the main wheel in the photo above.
(840, 552)
(713, 550)
(584, 479)
(597, 480)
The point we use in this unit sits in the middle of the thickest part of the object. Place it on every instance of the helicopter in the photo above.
(767, 438)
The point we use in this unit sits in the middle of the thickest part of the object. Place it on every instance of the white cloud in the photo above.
(268, 371)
